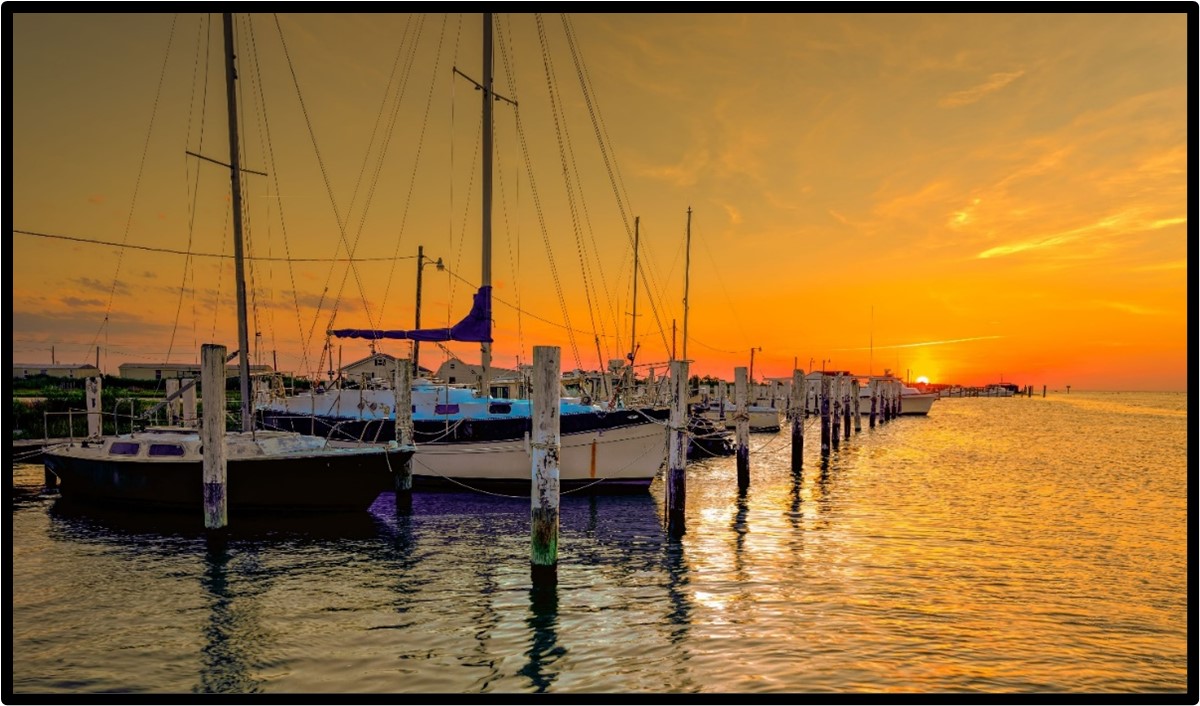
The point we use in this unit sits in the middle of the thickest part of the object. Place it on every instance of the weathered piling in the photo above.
(1043, 391)
(824, 416)
(835, 394)
(898, 390)
(797, 407)
(855, 391)
(212, 435)
(402, 384)
(545, 447)
(94, 418)
(873, 390)
(189, 405)
(676, 499)
(172, 406)
(846, 409)
(722, 393)
(742, 419)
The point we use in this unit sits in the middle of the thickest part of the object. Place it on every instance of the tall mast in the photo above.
(416, 347)
(687, 266)
(486, 280)
(630, 377)
(240, 268)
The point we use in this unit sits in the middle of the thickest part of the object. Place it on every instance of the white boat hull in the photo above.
(624, 456)
(760, 419)
(918, 404)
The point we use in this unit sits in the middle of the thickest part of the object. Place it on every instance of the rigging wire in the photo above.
(611, 167)
(220, 256)
(328, 190)
(541, 216)
(190, 197)
(138, 181)
(566, 158)
(513, 264)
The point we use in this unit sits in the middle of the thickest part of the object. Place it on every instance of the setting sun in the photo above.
(922, 380)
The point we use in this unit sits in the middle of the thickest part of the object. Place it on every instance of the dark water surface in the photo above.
(998, 545)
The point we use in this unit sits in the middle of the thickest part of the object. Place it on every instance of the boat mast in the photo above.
(236, 186)
(687, 267)
(633, 329)
(486, 348)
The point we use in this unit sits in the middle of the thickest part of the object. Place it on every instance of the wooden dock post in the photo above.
(873, 390)
(402, 385)
(742, 420)
(677, 454)
(188, 405)
(855, 391)
(95, 420)
(824, 416)
(835, 436)
(846, 409)
(547, 372)
(722, 393)
(212, 435)
(797, 407)
(1043, 391)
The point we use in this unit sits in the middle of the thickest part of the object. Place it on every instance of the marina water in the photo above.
(998, 545)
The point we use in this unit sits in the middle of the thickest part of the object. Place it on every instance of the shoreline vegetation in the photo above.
(45, 407)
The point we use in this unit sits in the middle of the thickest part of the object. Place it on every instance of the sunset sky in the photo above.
(968, 198)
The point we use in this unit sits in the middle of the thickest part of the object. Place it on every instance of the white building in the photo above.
(163, 371)
(55, 370)
(380, 366)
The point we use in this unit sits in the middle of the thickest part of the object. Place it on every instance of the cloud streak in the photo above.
(922, 343)
(994, 83)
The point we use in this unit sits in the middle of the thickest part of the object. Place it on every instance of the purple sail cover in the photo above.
(476, 326)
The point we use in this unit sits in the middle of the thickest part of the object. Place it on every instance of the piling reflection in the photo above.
(232, 636)
(544, 650)
(740, 528)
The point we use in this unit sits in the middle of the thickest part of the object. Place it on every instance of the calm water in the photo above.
(998, 545)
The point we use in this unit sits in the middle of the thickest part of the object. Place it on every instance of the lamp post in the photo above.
(420, 267)
(751, 376)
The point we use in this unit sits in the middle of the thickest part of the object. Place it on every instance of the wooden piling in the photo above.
(189, 406)
(212, 435)
(797, 406)
(846, 409)
(873, 390)
(545, 448)
(676, 499)
(742, 421)
(835, 394)
(1043, 391)
(824, 415)
(722, 393)
(855, 391)
(402, 385)
(95, 420)
(172, 406)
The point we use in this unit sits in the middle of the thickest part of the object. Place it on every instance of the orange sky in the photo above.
(967, 198)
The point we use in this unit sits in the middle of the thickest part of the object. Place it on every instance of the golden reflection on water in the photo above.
(998, 545)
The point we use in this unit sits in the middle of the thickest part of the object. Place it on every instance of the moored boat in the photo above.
(162, 468)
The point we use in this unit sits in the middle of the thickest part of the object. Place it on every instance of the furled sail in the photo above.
(477, 326)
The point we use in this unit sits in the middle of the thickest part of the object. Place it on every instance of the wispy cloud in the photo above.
(1128, 308)
(1160, 266)
(1021, 247)
(77, 303)
(994, 83)
(97, 285)
(922, 343)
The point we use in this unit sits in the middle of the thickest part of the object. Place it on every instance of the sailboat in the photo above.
(162, 468)
(466, 438)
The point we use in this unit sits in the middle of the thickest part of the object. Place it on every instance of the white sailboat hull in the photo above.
(624, 456)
